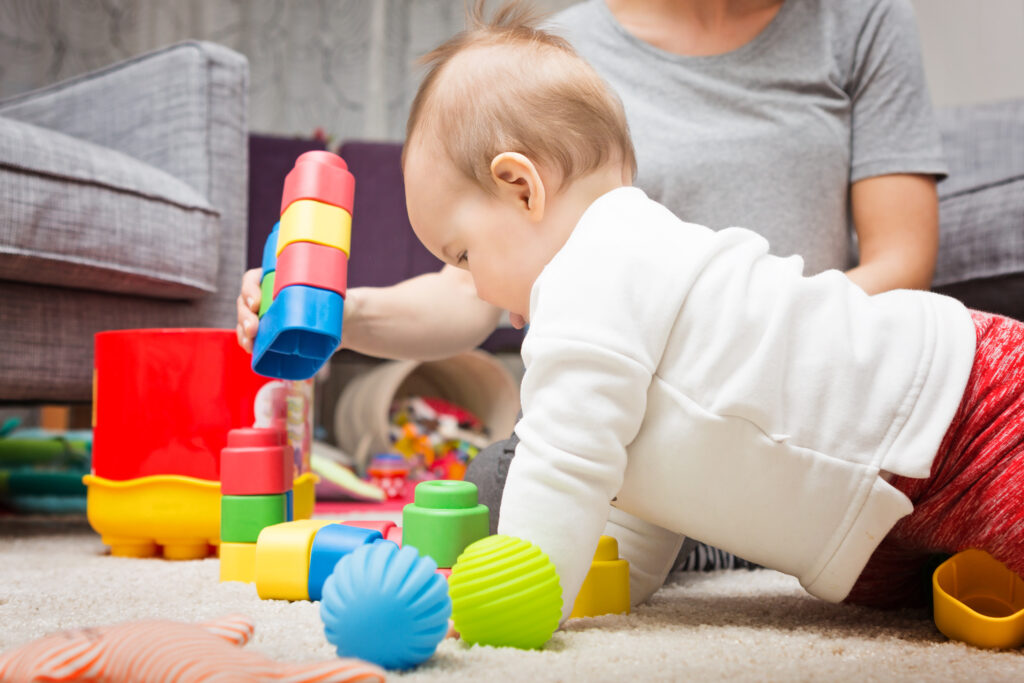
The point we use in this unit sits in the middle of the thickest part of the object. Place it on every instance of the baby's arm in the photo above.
(582, 404)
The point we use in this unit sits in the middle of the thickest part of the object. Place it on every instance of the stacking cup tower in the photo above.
(305, 269)
(256, 475)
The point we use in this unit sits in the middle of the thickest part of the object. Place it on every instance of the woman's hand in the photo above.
(248, 305)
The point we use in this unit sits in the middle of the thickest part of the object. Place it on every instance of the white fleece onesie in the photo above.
(704, 387)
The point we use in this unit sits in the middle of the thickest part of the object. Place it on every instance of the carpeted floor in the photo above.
(745, 626)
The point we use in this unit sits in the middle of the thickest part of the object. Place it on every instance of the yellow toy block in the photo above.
(282, 559)
(308, 220)
(238, 562)
(606, 588)
(304, 495)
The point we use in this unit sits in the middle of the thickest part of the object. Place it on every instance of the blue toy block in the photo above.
(385, 605)
(270, 251)
(330, 544)
(289, 500)
(298, 333)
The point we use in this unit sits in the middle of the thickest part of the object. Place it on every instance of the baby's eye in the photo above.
(463, 258)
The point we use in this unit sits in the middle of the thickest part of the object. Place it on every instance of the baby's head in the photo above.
(510, 137)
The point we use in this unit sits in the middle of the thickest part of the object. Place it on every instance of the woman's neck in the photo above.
(695, 27)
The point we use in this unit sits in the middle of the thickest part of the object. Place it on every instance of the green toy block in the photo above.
(267, 292)
(242, 518)
(444, 519)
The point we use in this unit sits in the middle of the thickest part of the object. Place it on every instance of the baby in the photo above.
(681, 381)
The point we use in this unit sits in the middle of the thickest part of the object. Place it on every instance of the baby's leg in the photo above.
(488, 470)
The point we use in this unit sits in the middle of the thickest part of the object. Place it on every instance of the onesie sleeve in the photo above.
(597, 334)
(893, 127)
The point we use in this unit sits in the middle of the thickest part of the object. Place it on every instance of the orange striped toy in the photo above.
(166, 651)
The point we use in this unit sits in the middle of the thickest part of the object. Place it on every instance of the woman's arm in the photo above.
(434, 315)
(430, 316)
(897, 222)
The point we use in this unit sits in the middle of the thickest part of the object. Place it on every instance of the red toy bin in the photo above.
(165, 399)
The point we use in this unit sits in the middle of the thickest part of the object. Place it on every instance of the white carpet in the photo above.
(746, 626)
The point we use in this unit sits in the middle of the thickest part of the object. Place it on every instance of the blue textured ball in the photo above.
(386, 605)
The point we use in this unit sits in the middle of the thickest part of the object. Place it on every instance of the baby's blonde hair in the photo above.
(505, 85)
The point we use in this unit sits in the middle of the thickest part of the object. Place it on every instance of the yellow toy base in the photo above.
(979, 600)
(174, 516)
(168, 515)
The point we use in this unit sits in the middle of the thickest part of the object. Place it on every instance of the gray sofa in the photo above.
(123, 204)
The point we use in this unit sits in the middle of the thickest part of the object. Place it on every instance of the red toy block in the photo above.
(445, 572)
(255, 463)
(311, 264)
(383, 526)
(321, 176)
(394, 535)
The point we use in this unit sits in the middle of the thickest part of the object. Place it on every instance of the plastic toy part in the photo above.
(382, 526)
(298, 333)
(606, 588)
(307, 220)
(319, 175)
(330, 544)
(256, 462)
(238, 562)
(304, 496)
(269, 264)
(178, 517)
(444, 518)
(505, 592)
(242, 518)
(314, 265)
(386, 605)
(282, 559)
(266, 293)
(978, 600)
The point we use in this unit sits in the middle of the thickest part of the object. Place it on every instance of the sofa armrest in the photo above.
(183, 110)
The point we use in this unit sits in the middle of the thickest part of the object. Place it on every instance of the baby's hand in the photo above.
(248, 307)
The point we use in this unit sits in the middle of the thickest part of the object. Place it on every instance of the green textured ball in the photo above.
(505, 592)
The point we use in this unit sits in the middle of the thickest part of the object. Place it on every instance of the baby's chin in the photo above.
(517, 320)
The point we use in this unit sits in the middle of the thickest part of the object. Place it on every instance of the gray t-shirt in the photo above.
(771, 135)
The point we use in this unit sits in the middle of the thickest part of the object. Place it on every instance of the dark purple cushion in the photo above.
(384, 248)
(270, 159)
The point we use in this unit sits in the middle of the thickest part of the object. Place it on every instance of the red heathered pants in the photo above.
(974, 497)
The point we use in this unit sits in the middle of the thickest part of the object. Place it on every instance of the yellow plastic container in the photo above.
(606, 588)
(172, 515)
(979, 600)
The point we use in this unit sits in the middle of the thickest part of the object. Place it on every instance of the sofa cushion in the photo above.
(981, 203)
(79, 215)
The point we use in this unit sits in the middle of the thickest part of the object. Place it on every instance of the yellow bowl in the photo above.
(979, 600)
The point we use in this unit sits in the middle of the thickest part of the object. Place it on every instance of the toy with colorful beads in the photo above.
(305, 267)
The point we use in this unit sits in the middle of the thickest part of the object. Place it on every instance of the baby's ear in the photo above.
(517, 181)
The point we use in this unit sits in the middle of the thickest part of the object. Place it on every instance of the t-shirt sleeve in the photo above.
(893, 127)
